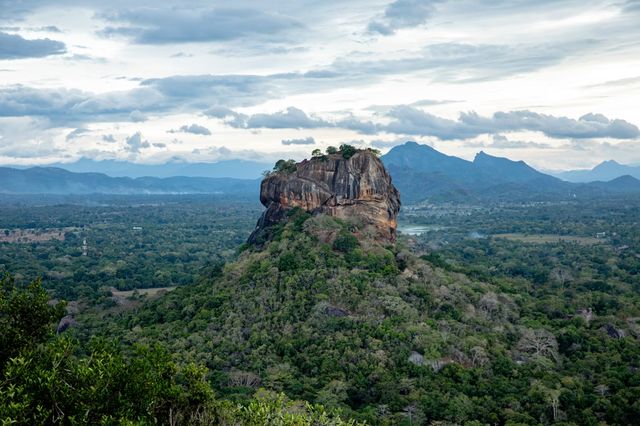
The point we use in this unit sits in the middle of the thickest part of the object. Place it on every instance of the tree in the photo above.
(285, 166)
(345, 242)
(538, 343)
(26, 318)
(348, 150)
(332, 150)
(316, 153)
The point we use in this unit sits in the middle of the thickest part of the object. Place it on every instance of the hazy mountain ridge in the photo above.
(238, 169)
(51, 180)
(605, 171)
(420, 172)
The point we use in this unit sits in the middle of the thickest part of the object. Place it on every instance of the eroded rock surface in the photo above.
(358, 187)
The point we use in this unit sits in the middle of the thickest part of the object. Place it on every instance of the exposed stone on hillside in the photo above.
(358, 187)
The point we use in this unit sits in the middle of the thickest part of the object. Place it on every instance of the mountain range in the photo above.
(605, 171)
(238, 169)
(419, 172)
(53, 180)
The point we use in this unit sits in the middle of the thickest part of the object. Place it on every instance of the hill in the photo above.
(605, 171)
(51, 180)
(375, 332)
(625, 184)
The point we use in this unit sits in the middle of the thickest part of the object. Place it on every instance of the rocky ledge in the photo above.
(355, 187)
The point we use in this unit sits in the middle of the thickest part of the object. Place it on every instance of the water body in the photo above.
(409, 229)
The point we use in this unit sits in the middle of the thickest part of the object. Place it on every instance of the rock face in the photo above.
(358, 187)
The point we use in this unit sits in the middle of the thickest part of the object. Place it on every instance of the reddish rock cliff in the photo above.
(358, 187)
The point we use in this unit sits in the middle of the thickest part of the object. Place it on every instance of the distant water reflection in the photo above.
(409, 229)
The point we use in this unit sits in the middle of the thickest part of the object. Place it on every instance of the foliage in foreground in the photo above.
(47, 379)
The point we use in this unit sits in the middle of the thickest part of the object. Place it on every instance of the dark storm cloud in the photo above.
(13, 46)
(184, 25)
(403, 14)
(412, 121)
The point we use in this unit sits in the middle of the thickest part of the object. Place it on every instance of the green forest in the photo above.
(502, 314)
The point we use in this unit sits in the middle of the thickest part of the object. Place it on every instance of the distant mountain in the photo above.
(239, 169)
(421, 172)
(53, 180)
(622, 184)
(507, 170)
(605, 171)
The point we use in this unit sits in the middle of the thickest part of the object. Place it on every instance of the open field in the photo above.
(551, 238)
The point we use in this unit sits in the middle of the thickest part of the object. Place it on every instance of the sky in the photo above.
(553, 83)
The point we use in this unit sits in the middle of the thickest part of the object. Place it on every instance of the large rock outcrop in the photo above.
(358, 187)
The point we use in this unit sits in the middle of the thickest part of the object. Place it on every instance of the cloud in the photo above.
(47, 29)
(193, 128)
(71, 107)
(292, 118)
(632, 6)
(587, 126)
(617, 83)
(135, 143)
(305, 141)
(382, 144)
(352, 123)
(108, 138)
(229, 116)
(185, 25)
(463, 62)
(137, 116)
(13, 46)
(412, 121)
(403, 14)
(217, 90)
(77, 133)
(502, 142)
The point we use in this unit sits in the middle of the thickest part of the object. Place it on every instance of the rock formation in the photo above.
(358, 187)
